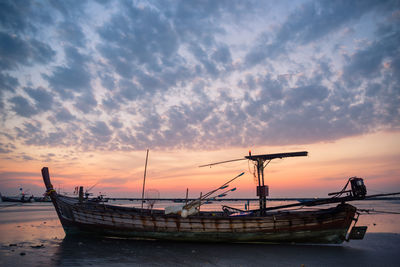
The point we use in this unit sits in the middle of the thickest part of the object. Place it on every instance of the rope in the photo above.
(48, 192)
(344, 188)
(253, 172)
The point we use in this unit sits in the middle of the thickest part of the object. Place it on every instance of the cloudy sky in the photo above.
(84, 79)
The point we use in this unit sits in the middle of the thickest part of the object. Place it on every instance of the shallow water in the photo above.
(31, 235)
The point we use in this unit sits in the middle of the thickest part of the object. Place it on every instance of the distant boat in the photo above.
(186, 223)
(22, 199)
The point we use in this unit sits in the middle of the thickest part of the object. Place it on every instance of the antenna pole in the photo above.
(144, 177)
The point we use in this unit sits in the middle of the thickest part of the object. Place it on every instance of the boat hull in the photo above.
(322, 226)
(17, 199)
(329, 225)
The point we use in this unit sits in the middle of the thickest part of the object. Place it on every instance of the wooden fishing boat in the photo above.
(327, 225)
(21, 199)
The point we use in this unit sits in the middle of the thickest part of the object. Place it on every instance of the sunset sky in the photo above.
(87, 86)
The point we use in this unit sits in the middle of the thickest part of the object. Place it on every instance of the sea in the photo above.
(31, 235)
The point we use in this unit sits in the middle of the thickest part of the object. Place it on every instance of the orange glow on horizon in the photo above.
(374, 157)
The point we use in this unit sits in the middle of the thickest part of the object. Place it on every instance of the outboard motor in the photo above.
(358, 188)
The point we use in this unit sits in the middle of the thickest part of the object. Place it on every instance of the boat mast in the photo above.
(144, 176)
(262, 189)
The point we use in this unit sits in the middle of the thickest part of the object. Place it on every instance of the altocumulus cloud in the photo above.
(123, 75)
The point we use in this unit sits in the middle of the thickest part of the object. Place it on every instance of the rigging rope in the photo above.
(255, 179)
(341, 191)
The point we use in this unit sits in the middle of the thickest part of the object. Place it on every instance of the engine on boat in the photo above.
(358, 187)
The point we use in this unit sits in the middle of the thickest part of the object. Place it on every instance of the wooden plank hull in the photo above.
(321, 226)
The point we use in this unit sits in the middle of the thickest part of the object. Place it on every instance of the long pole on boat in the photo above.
(205, 196)
(262, 189)
(324, 201)
(260, 163)
(201, 193)
(187, 194)
(221, 187)
(144, 177)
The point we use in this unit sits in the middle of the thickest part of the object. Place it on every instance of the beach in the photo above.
(31, 235)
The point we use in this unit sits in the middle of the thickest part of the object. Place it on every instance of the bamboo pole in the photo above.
(200, 201)
(144, 177)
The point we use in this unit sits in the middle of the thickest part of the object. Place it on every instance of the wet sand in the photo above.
(31, 235)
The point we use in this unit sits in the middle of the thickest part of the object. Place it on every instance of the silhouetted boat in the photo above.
(22, 198)
(273, 224)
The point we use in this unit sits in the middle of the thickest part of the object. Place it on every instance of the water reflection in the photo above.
(105, 252)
